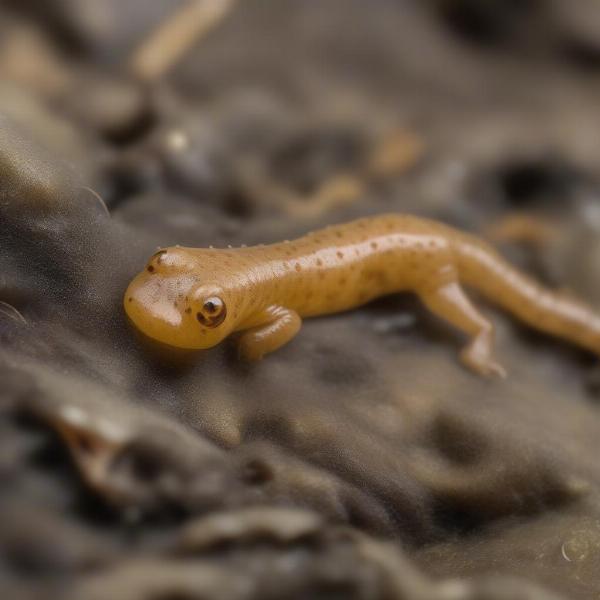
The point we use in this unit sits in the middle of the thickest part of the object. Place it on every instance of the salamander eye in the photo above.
(213, 306)
(213, 312)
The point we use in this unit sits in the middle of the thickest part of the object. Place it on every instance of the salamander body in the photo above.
(194, 298)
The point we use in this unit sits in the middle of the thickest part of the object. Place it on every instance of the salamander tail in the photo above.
(482, 268)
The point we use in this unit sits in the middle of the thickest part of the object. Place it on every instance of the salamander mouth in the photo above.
(166, 354)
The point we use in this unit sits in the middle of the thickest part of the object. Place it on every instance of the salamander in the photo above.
(193, 298)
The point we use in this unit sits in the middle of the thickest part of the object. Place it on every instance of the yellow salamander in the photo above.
(193, 298)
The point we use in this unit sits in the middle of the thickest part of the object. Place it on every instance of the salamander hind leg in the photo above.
(279, 325)
(449, 302)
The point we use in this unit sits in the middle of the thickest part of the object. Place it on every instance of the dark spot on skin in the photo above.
(130, 299)
(150, 269)
(340, 254)
(374, 245)
(188, 310)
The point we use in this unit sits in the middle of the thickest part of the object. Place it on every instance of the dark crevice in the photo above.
(528, 181)
(584, 56)
(52, 456)
(307, 159)
(487, 23)
(134, 132)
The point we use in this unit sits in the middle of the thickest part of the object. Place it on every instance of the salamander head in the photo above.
(172, 303)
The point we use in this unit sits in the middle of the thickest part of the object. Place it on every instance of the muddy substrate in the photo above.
(361, 460)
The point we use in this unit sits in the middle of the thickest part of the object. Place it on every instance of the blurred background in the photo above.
(361, 461)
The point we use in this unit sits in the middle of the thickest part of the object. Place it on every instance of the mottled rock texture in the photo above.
(360, 461)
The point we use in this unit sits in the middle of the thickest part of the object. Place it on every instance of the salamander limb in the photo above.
(450, 302)
(194, 298)
(279, 327)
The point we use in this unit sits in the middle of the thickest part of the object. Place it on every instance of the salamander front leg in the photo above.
(279, 327)
(450, 303)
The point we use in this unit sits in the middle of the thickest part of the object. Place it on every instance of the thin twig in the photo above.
(11, 312)
(98, 197)
(175, 36)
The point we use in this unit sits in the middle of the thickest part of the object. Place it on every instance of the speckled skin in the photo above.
(194, 298)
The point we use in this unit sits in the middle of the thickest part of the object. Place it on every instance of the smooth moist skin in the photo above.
(194, 298)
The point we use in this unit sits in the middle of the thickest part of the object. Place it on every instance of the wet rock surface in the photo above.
(361, 460)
